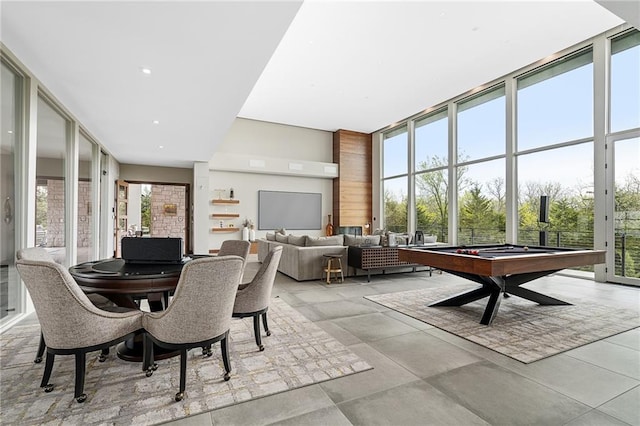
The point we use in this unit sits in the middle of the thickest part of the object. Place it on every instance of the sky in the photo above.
(555, 110)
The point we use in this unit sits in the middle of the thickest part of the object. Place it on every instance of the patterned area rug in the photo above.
(522, 329)
(298, 353)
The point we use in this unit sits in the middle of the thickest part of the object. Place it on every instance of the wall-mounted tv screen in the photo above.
(289, 210)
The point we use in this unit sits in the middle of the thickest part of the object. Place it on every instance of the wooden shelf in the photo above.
(224, 201)
(228, 229)
(224, 215)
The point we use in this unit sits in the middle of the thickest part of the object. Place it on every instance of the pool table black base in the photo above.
(492, 287)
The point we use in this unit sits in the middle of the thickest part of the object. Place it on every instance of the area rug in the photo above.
(522, 329)
(298, 353)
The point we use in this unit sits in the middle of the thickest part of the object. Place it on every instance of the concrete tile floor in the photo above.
(425, 376)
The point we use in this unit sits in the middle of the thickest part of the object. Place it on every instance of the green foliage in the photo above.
(395, 212)
(145, 207)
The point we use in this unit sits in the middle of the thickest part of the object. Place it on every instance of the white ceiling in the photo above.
(325, 65)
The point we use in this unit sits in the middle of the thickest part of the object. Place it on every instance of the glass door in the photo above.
(11, 295)
(624, 261)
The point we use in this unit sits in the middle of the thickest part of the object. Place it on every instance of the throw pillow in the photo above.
(336, 240)
(359, 240)
(282, 238)
(281, 231)
(270, 237)
(298, 240)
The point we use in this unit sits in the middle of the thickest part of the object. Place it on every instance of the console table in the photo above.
(368, 258)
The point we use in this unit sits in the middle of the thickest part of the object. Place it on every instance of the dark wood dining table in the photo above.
(126, 284)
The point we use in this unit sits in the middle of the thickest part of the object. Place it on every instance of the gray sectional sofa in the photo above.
(302, 256)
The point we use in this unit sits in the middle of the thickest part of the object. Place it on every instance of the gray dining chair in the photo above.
(252, 299)
(235, 248)
(70, 323)
(206, 285)
(38, 253)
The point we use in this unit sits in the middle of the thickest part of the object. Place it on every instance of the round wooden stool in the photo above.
(333, 264)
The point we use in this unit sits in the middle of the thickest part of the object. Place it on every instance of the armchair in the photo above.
(70, 323)
(252, 299)
(38, 253)
(206, 285)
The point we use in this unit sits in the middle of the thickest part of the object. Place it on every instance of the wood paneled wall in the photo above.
(352, 190)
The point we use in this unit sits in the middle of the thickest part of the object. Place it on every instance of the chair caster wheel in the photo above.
(82, 398)
(149, 371)
(48, 388)
(38, 360)
(179, 396)
(261, 347)
(268, 333)
(227, 376)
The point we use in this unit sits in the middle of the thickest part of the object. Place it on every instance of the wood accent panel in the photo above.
(352, 190)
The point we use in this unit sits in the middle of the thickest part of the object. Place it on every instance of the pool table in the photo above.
(500, 269)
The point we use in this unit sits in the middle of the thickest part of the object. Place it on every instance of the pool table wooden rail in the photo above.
(504, 264)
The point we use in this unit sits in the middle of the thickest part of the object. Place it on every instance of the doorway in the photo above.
(152, 209)
(624, 186)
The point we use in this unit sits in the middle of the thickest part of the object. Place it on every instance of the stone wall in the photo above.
(165, 224)
(84, 214)
(55, 213)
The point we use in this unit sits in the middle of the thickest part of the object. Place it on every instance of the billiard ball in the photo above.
(525, 248)
(459, 251)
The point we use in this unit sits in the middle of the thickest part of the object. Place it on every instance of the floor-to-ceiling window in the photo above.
(480, 167)
(431, 161)
(538, 131)
(85, 232)
(39, 137)
(555, 151)
(11, 118)
(395, 180)
(53, 136)
(624, 142)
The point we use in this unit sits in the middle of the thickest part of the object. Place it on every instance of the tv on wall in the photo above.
(289, 210)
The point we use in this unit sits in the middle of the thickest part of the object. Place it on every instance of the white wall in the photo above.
(260, 140)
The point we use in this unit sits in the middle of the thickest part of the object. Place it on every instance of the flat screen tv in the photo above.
(289, 210)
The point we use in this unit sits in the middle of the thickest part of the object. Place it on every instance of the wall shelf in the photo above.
(228, 229)
(224, 201)
(224, 215)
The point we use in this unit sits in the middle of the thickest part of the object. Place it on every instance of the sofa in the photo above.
(302, 255)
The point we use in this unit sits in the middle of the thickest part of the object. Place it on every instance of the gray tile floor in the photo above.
(425, 376)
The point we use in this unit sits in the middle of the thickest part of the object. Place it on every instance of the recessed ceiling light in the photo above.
(10, 131)
(160, 146)
(156, 121)
(145, 70)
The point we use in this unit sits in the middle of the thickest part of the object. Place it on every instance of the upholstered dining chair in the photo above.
(38, 253)
(206, 285)
(227, 248)
(70, 323)
(235, 248)
(252, 299)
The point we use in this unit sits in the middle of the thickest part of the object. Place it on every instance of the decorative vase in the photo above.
(329, 228)
(252, 234)
(245, 234)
